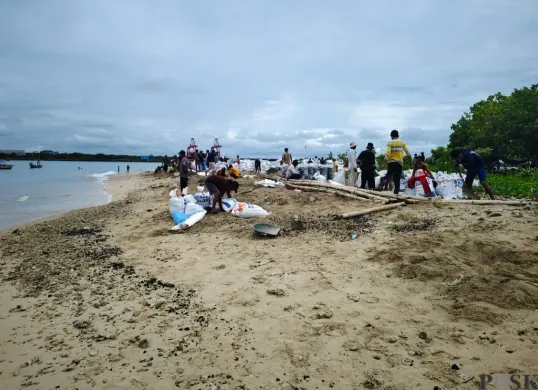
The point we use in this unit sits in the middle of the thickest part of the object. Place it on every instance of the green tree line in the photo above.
(500, 126)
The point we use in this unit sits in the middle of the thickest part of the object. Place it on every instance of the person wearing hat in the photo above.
(394, 157)
(352, 164)
(367, 163)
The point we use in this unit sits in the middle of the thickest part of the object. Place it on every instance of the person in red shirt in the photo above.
(419, 164)
(218, 185)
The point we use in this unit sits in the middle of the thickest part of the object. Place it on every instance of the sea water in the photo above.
(60, 186)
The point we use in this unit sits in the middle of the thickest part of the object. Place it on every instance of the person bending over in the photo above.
(292, 173)
(419, 164)
(475, 166)
(217, 186)
(233, 172)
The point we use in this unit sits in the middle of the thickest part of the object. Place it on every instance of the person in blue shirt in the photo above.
(475, 166)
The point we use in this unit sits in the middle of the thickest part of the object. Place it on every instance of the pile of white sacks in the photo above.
(449, 185)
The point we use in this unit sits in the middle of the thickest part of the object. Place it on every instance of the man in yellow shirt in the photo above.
(394, 157)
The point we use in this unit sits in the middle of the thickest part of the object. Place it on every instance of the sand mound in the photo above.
(480, 271)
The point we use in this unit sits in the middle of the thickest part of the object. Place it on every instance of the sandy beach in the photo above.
(426, 295)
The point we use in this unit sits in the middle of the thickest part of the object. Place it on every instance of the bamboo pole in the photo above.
(371, 210)
(350, 190)
(488, 202)
(337, 193)
(363, 193)
(408, 198)
(399, 196)
(349, 196)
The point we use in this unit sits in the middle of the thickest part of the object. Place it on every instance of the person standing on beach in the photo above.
(184, 165)
(286, 157)
(118, 169)
(257, 165)
(238, 161)
(335, 165)
(166, 162)
(128, 168)
(211, 160)
(367, 160)
(201, 160)
(352, 164)
(394, 157)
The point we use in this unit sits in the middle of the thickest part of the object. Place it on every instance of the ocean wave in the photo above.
(23, 198)
(102, 176)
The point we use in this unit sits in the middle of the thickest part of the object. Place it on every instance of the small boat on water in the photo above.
(3, 165)
(34, 166)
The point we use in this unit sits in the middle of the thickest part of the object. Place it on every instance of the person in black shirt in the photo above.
(367, 165)
(211, 160)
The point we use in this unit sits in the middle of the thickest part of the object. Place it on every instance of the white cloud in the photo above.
(257, 75)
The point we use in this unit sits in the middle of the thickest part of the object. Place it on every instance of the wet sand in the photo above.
(108, 298)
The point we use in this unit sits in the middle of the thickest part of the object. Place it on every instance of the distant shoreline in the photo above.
(156, 161)
(79, 160)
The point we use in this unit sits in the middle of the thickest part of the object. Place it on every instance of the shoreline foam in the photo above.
(114, 187)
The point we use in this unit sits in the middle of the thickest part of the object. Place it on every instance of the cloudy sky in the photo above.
(140, 77)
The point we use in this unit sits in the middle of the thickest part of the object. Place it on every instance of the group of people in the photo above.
(217, 183)
(199, 160)
(394, 157)
(128, 169)
(223, 181)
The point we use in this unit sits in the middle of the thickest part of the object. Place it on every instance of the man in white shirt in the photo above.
(352, 164)
(293, 173)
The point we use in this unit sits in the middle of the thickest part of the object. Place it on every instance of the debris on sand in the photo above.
(82, 324)
(278, 292)
(84, 231)
(143, 344)
(414, 225)
(339, 229)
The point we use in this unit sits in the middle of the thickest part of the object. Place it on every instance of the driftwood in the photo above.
(371, 210)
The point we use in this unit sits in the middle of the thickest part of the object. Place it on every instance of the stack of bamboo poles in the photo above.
(363, 194)
(358, 193)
